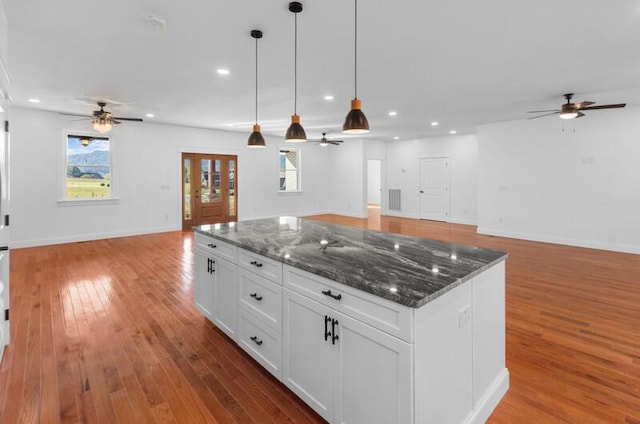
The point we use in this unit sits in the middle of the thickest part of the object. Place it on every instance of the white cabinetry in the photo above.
(216, 283)
(260, 309)
(347, 371)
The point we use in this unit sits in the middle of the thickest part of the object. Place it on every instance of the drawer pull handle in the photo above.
(335, 296)
(256, 263)
(256, 341)
(326, 332)
(211, 245)
(335, 336)
(256, 297)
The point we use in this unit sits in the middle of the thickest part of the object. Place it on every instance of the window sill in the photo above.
(290, 193)
(88, 202)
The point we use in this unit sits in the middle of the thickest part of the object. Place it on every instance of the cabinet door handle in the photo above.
(208, 265)
(213, 266)
(335, 336)
(335, 296)
(211, 245)
(256, 297)
(256, 341)
(256, 263)
(327, 333)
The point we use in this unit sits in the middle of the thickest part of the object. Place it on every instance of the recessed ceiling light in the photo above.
(34, 100)
(453, 132)
(222, 71)
(435, 123)
(150, 115)
(1, 110)
(228, 125)
(396, 138)
(328, 97)
(393, 113)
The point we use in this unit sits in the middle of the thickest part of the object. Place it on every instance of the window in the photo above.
(88, 161)
(289, 170)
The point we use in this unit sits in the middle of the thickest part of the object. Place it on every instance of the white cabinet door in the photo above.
(225, 295)
(374, 381)
(204, 290)
(309, 364)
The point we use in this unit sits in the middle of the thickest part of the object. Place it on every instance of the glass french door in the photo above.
(209, 189)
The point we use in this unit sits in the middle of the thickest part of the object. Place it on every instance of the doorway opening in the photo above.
(209, 189)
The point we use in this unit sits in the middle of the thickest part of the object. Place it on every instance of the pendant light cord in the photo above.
(256, 80)
(295, 66)
(355, 66)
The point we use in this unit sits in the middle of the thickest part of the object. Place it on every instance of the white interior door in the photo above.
(434, 188)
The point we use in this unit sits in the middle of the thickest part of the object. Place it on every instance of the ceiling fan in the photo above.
(102, 120)
(324, 142)
(571, 110)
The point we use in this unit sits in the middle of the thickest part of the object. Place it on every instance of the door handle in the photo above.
(421, 191)
(256, 297)
(256, 263)
(255, 340)
(335, 337)
(326, 332)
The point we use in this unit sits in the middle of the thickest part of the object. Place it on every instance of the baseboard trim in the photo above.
(491, 398)
(589, 244)
(89, 237)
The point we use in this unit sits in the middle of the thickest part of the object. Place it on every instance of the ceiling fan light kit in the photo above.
(355, 122)
(103, 123)
(295, 133)
(256, 140)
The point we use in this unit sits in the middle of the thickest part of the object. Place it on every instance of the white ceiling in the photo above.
(459, 62)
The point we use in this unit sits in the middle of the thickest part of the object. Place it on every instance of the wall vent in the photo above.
(394, 199)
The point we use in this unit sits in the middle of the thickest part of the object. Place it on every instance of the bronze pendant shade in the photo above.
(295, 133)
(355, 122)
(256, 139)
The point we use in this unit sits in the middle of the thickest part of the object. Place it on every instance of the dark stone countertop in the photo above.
(408, 270)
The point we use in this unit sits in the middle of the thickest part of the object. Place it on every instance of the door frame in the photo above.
(204, 151)
(383, 183)
(448, 202)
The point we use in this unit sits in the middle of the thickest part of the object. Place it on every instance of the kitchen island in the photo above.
(364, 326)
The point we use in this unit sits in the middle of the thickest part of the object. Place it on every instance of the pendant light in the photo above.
(256, 139)
(295, 132)
(355, 122)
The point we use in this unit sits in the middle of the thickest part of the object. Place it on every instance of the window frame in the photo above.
(298, 151)
(63, 200)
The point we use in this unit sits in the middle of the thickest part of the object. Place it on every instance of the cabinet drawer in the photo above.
(267, 268)
(262, 343)
(390, 317)
(217, 247)
(262, 297)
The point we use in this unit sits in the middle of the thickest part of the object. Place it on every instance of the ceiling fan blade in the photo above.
(546, 114)
(580, 115)
(612, 106)
(543, 111)
(128, 119)
(74, 114)
(582, 105)
(114, 121)
(334, 142)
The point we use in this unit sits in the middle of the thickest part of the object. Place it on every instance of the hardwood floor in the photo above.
(106, 332)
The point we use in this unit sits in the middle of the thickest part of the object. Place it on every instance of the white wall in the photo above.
(146, 168)
(579, 188)
(403, 172)
(346, 176)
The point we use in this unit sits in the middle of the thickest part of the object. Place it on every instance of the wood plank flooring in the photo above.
(106, 332)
